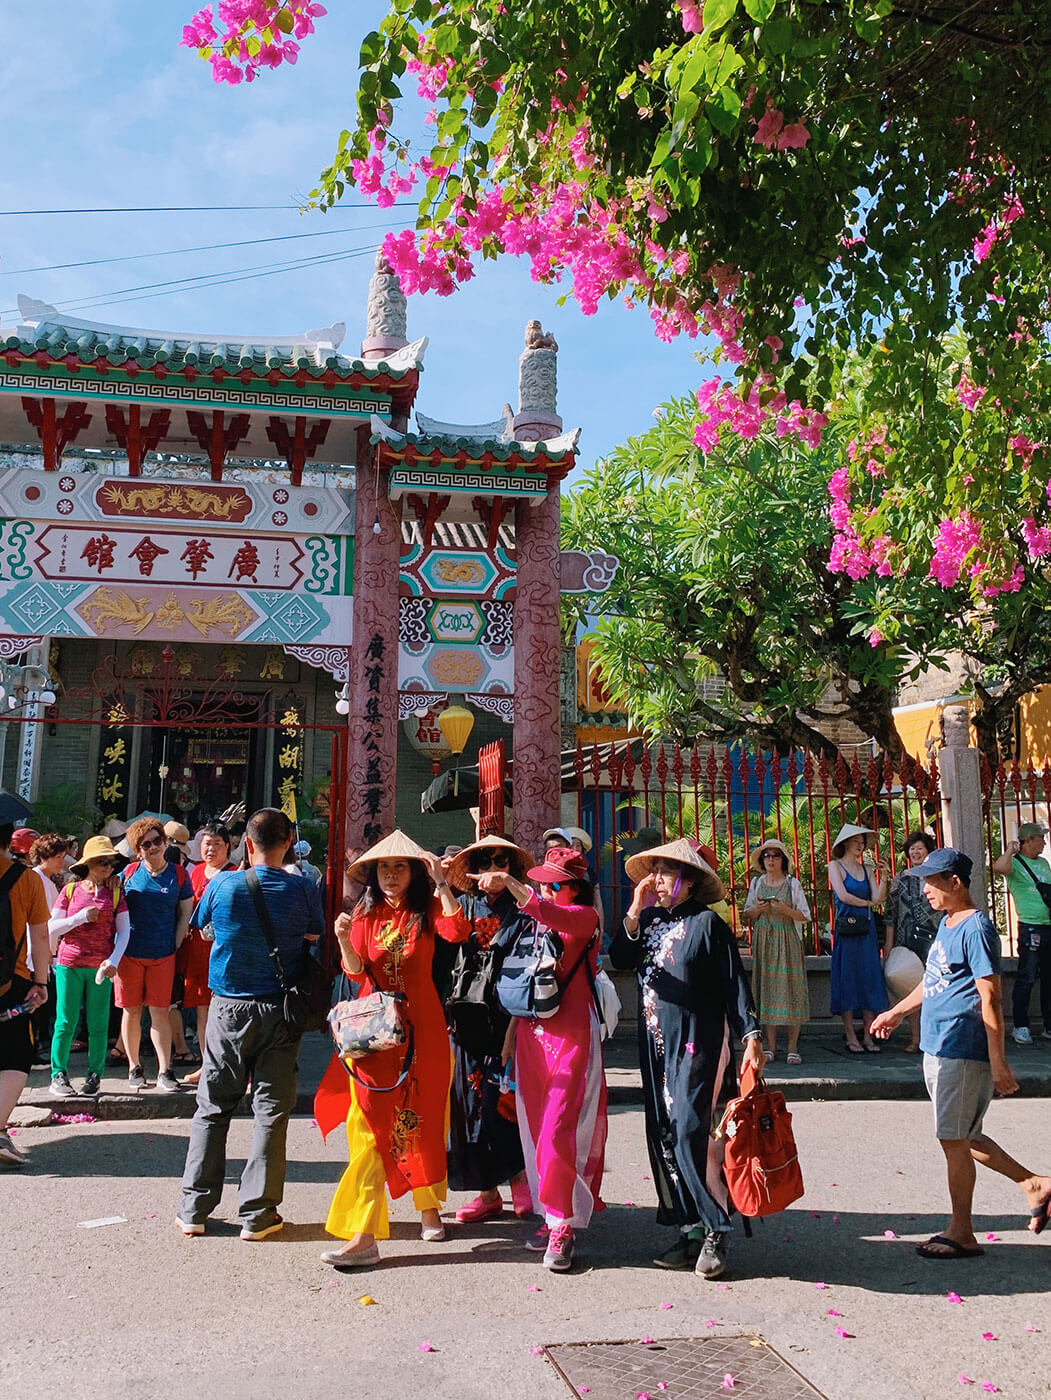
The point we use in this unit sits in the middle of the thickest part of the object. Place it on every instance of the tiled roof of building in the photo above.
(315, 352)
(475, 441)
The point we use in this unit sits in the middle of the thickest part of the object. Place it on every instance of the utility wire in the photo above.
(191, 209)
(203, 280)
(208, 248)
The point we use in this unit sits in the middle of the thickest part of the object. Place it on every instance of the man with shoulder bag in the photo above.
(1029, 882)
(262, 919)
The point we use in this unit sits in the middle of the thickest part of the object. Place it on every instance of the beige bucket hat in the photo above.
(457, 868)
(577, 833)
(847, 831)
(393, 847)
(178, 835)
(683, 851)
(97, 848)
(773, 844)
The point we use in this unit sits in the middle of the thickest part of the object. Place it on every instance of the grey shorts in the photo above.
(961, 1091)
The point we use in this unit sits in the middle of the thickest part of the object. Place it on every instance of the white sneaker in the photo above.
(9, 1153)
(263, 1232)
(189, 1227)
(1021, 1036)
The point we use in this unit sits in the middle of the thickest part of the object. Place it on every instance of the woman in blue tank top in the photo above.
(857, 973)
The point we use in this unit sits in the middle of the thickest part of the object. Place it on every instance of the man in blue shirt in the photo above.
(962, 1039)
(247, 1038)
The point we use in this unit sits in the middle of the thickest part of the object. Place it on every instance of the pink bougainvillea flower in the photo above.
(988, 1336)
(689, 1047)
(692, 16)
(842, 1333)
(729, 1381)
(426, 1346)
(954, 1297)
(794, 138)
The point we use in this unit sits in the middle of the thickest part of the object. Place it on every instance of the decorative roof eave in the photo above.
(46, 336)
(469, 449)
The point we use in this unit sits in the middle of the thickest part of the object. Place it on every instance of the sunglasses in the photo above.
(147, 844)
(101, 860)
(497, 858)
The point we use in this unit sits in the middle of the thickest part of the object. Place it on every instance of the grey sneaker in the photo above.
(1022, 1036)
(92, 1085)
(682, 1255)
(167, 1082)
(558, 1257)
(9, 1153)
(60, 1087)
(711, 1262)
(136, 1078)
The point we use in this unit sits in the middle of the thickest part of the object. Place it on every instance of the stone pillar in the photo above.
(28, 782)
(537, 643)
(372, 760)
(959, 770)
(387, 316)
(537, 418)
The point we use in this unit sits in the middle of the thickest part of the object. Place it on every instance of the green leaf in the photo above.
(777, 36)
(759, 10)
(285, 21)
(718, 13)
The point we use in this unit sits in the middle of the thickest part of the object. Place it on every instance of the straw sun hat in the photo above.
(396, 846)
(682, 851)
(97, 848)
(457, 868)
(773, 844)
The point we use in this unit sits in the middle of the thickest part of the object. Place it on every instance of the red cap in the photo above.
(560, 863)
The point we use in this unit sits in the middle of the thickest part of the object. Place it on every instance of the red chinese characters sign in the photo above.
(117, 554)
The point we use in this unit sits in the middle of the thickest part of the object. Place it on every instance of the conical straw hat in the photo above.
(847, 831)
(683, 851)
(393, 847)
(456, 870)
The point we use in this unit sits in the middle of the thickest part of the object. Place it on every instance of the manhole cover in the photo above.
(693, 1368)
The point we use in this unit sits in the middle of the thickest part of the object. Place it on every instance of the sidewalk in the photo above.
(827, 1072)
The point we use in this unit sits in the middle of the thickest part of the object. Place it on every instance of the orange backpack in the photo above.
(761, 1164)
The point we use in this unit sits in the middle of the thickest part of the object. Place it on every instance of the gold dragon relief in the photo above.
(461, 571)
(109, 609)
(175, 502)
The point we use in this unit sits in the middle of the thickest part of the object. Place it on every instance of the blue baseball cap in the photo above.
(945, 860)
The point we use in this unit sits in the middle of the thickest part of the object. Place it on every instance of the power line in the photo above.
(206, 248)
(204, 280)
(191, 209)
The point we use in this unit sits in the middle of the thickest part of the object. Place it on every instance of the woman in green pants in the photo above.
(89, 932)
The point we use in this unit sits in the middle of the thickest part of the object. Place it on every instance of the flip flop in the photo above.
(951, 1249)
(1040, 1215)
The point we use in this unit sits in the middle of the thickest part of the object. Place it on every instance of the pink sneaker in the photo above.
(521, 1199)
(479, 1209)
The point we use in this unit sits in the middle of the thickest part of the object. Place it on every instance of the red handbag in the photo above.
(761, 1163)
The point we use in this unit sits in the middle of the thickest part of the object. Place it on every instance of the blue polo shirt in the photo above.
(153, 908)
(951, 1024)
(240, 964)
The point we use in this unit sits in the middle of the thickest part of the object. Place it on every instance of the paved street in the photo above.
(133, 1309)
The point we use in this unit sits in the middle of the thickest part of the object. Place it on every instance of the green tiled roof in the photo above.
(316, 352)
(473, 444)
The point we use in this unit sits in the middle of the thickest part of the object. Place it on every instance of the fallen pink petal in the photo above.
(889, 1235)
(990, 1388)
(993, 1239)
(662, 1385)
(1030, 1328)
(964, 1380)
(645, 1341)
(711, 1322)
(536, 1351)
(533, 1288)
(988, 1336)
(726, 1287)
(954, 1297)
(844, 1334)
(835, 1220)
(833, 1312)
(820, 1285)
(665, 1307)
(729, 1381)
(426, 1346)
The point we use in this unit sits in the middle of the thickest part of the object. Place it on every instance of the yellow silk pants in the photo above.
(360, 1203)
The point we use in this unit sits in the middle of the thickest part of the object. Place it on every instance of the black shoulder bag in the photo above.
(306, 1005)
(851, 921)
(1043, 888)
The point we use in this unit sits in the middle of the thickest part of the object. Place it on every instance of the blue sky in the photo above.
(105, 110)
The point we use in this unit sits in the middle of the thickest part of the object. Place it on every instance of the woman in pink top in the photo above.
(89, 932)
(561, 1089)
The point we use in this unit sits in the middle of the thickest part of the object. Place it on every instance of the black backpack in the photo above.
(10, 951)
(475, 1017)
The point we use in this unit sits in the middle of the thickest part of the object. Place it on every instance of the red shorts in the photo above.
(193, 957)
(144, 982)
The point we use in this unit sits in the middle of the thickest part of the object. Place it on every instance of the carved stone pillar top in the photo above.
(537, 418)
(387, 315)
(956, 727)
